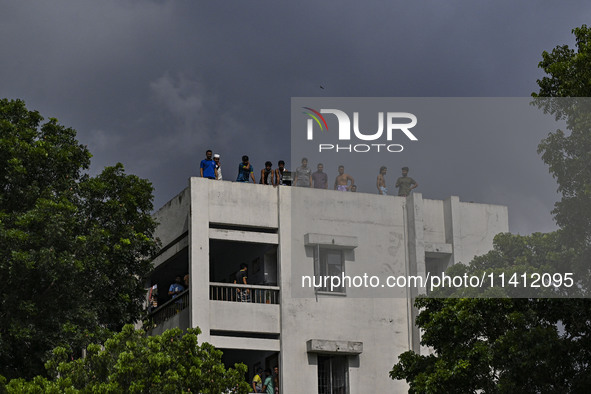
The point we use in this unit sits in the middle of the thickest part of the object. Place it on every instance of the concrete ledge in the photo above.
(337, 241)
(243, 236)
(180, 320)
(171, 251)
(223, 342)
(433, 249)
(324, 346)
(244, 317)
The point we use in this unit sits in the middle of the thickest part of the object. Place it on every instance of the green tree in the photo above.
(503, 345)
(568, 155)
(74, 249)
(526, 345)
(131, 362)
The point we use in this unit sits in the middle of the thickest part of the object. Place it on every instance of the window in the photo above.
(328, 263)
(333, 375)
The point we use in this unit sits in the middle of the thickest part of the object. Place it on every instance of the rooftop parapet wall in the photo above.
(173, 218)
(471, 229)
(434, 226)
(249, 205)
(479, 223)
(235, 203)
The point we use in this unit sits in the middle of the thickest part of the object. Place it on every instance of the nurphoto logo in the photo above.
(393, 127)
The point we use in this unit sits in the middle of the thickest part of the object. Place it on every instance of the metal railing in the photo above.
(243, 293)
(170, 308)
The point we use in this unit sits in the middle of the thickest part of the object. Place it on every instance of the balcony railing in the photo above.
(170, 308)
(243, 293)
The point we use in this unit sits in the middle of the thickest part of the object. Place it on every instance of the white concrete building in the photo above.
(340, 341)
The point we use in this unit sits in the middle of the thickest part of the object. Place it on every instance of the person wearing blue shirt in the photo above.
(245, 171)
(176, 288)
(208, 166)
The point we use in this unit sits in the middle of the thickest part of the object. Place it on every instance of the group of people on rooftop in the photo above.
(405, 184)
(211, 168)
(303, 176)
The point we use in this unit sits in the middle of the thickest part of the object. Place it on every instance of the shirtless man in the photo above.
(381, 182)
(341, 183)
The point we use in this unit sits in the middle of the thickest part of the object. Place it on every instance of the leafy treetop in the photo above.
(74, 249)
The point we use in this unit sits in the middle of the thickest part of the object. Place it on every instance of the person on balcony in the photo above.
(176, 288)
(276, 378)
(257, 381)
(242, 295)
(268, 387)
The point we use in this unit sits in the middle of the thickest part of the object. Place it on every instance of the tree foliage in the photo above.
(503, 345)
(131, 362)
(568, 154)
(568, 70)
(526, 345)
(74, 249)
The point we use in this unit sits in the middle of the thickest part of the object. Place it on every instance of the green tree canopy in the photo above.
(131, 362)
(525, 345)
(74, 249)
(568, 155)
(503, 345)
(568, 70)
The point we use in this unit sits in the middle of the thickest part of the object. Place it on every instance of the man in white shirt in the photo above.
(218, 166)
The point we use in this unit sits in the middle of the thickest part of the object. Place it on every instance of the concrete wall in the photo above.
(244, 317)
(199, 254)
(381, 324)
(180, 320)
(225, 203)
(241, 204)
(173, 218)
(479, 223)
(434, 226)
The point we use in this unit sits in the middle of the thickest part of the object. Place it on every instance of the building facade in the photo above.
(324, 337)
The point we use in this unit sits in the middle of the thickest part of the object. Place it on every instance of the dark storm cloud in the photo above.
(154, 84)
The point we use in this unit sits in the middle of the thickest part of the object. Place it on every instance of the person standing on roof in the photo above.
(303, 175)
(267, 177)
(381, 182)
(341, 183)
(279, 174)
(320, 178)
(207, 167)
(405, 184)
(245, 171)
(218, 166)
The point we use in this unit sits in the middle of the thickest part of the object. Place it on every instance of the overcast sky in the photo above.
(153, 84)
